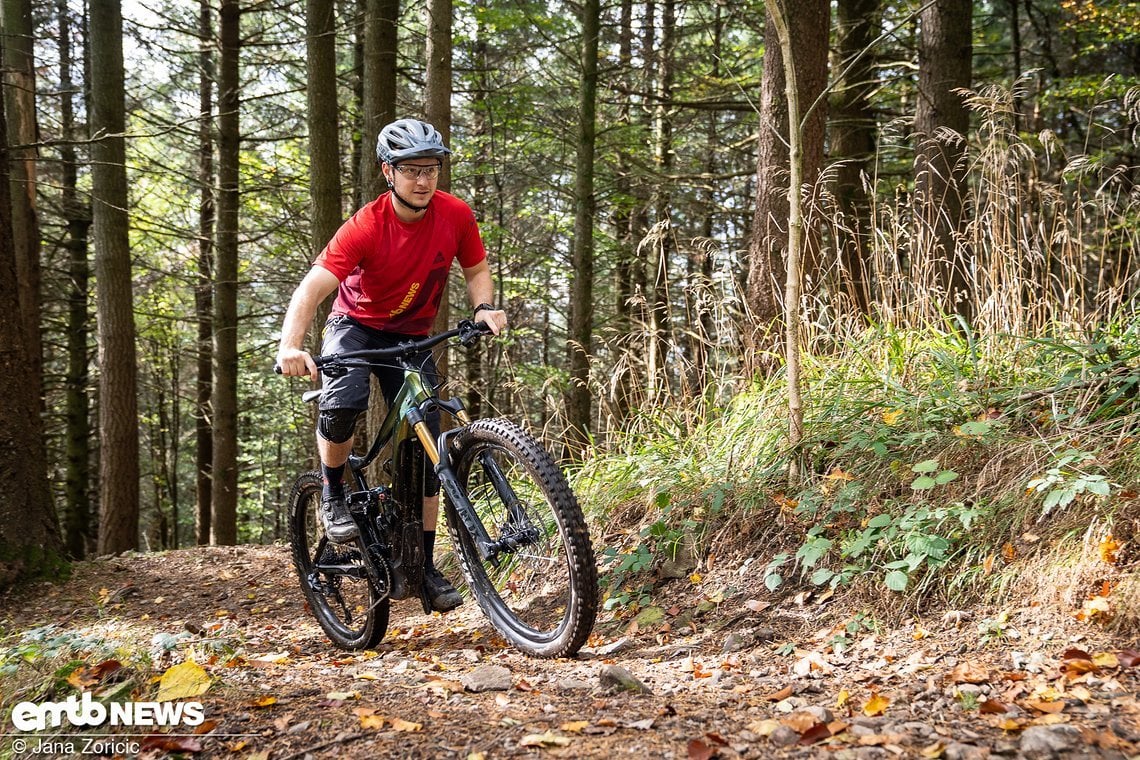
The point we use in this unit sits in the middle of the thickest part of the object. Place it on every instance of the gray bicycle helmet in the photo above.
(409, 138)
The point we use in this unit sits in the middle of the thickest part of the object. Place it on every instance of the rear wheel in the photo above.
(334, 577)
(540, 589)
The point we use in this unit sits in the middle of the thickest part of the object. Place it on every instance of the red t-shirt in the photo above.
(393, 274)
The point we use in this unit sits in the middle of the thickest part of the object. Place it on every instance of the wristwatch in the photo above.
(482, 307)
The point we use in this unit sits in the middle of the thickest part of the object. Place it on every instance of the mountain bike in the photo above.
(514, 522)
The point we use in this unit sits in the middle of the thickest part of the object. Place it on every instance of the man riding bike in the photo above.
(389, 264)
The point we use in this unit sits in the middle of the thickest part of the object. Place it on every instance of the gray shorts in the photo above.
(350, 391)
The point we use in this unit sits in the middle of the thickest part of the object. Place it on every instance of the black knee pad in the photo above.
(337, 425)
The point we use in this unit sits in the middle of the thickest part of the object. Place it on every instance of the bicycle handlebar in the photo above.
(467, 331)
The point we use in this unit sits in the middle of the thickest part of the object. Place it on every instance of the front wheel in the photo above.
(334, 577)
(539, 587)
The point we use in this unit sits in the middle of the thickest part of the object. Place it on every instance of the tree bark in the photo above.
(582, 251)
(792, 289)
(853, 141)
(224, 494)
(808, 25)
(324, 149)
(118, 374)
(944, 65)
(437, 110)
(379, 89)
(204, 291)
(19, 65)
(30, 544)
(661, 249)
(79, 535)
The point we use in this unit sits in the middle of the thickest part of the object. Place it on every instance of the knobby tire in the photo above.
(543, 596)
(348, 609)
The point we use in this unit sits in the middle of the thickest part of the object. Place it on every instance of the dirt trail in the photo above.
(715, 669)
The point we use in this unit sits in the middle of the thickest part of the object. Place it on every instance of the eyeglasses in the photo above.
(415, 172)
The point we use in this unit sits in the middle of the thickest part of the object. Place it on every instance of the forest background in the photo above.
(968, 264)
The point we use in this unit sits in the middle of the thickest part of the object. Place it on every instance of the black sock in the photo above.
(331, 478)
(429, 548)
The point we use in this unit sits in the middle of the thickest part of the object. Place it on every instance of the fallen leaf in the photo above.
(698, 750)
(372, 722)
(1108, 549)
(993, 707)
(968, 672)
(406, 726)
(756, 605)
(1129, 658)
(263, 701)
(1045, 706)
(876, 705)
(1075, 653)
(933, 751)
(187, 679)
(800, 721)
(841, 699)
(342, 696)
(1106, 660)
(816, 733)
(171, 743)
(763, 727)
(574, 726)
(781, 695)
(547, 739)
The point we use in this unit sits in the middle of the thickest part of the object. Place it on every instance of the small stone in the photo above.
(734, 642)
(572, 684)
(784, 736)
(1046, 742)
(487, 678)
(820, 713)
(614, 647)
(959, 751)
(617, 677)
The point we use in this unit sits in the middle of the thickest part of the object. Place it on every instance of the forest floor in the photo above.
(719, 668)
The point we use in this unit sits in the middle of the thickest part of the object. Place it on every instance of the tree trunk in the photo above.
(118, 374)
(808, 24)
(944, 65)
(582, 251)
(225, 467)
(19, 65)
(324, 148)
(204, 291)
(660, 251)
(795, 237)
(437, 110)
(623, 382)
(853, 141)
(30, 544)
(77, 215)
(379, 92)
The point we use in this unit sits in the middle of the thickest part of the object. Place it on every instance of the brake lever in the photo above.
(470, 331)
